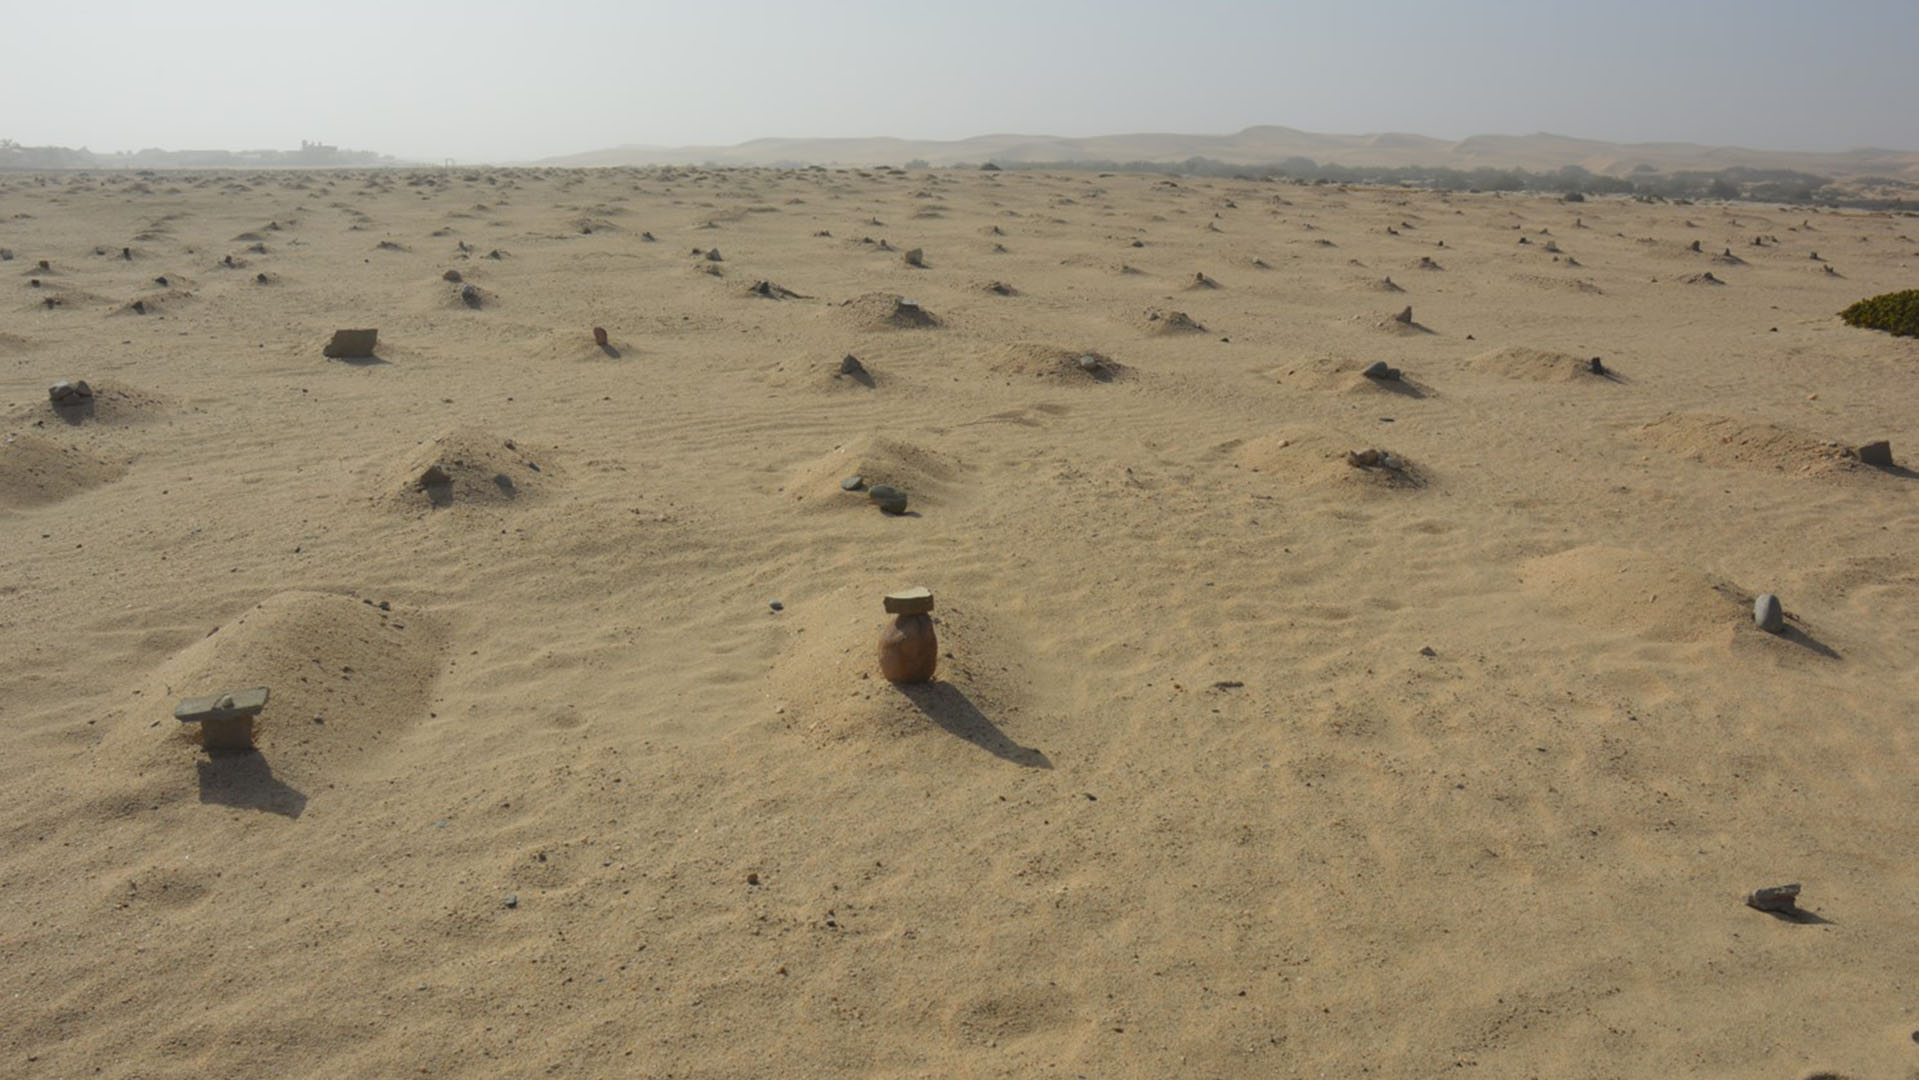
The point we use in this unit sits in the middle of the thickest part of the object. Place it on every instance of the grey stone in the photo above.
(352, 344)
(853, 483)
(1405, 316)
(1767, 614)
(435, 476)
(887, 498)
(1877, 453)
(1775, 898)
(1379, 369)
(850, 365)
(714, 256)
(512, 900)
(470, 296)
(1089, 363)
(452, 275)
(916, 257)
(776, 605)
(61, 392)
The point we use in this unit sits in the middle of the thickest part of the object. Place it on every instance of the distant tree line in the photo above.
(1737, 183)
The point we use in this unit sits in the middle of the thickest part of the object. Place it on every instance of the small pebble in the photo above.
(512, 900)
(776, 605)
(1768, 615)
(1775, 898)
(853, 483)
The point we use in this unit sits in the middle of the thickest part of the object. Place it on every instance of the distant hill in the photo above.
(1270, 145)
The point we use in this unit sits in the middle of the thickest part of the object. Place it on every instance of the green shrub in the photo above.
(1896, 313)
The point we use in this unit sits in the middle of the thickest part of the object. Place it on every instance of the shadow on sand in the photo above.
(946, 705)
(244, 779)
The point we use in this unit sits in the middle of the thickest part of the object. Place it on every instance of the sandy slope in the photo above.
(1189, 800)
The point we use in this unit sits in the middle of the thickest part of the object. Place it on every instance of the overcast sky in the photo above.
(497, 80)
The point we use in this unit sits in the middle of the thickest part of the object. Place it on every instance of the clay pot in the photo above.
(909, 650)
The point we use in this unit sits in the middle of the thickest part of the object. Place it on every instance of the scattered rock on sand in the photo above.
(351, 344)
(1779, 898)
(850, 365)
(1767, 614)
(1405, 317)
(1872, 453)
(1380, 370)
(70, 393)
(888, 498)
(915, 257)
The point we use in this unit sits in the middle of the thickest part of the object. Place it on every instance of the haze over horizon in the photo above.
(493, 81)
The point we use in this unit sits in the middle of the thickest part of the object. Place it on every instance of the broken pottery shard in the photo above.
(916, 601)
(1775, 898)
(1877, 453)
(352, 344)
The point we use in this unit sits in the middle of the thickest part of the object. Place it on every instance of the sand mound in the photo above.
(1315, 457)
(1747, 443)
(35, 471)
(110, 404)
(466, 466)
(886, 311)
(1637, 593)
(827, 682)
(825, 376)
(345, 676)
(926, 476)
(1535, 365)
(1039, 360)
(1156, 321)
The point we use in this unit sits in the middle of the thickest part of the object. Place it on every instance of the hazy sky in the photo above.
(502, 80)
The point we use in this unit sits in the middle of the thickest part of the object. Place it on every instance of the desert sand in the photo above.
(1242, 761)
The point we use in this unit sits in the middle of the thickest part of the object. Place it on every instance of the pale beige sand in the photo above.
(1188, 801)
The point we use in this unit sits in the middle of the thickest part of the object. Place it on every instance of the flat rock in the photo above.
(915, 601)
(352, 344)
(1775, 898)
(226, 705)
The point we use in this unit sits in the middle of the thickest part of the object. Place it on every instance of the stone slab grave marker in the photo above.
(352, 344)
(226, 718)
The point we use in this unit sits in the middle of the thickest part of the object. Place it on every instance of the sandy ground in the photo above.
(1243, 761)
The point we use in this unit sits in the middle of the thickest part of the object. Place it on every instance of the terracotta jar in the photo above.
(909, 649)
